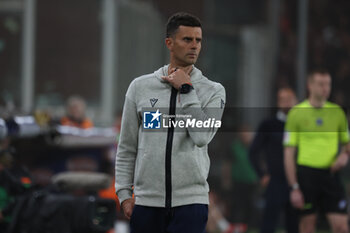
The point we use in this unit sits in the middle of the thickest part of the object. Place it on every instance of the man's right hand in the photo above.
(340, 162)
(297, 199)
(128, 206)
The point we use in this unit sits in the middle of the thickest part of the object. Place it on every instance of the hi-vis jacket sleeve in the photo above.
(127, 147)
(212, 110)
(291, 134)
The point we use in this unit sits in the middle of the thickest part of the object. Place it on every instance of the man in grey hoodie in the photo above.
(165, 164)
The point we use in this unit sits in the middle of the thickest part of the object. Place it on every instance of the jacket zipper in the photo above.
(169, 145)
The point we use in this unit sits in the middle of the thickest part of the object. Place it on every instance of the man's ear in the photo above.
(169, 42)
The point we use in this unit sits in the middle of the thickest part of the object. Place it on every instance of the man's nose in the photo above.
(194, 45)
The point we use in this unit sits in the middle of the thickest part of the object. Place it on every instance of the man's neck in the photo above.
(186, 69)
(315, 102)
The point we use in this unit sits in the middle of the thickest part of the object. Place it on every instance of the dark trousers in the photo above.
(277, 203)
(183, 219)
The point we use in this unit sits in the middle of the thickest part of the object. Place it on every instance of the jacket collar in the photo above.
(196, 74)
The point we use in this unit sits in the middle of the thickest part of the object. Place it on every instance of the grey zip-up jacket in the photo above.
(168, 168)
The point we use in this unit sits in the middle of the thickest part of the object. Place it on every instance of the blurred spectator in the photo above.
(122, 223)
(266, 152)
(14, 180)
(75, 114)
(243, 178)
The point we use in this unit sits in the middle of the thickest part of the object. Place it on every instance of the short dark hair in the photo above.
(318, 70)
(181, 18)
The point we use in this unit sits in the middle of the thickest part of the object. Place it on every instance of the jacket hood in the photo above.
(196, 74)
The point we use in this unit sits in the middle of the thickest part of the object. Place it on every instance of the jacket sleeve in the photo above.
(214, 109)
(127, 147)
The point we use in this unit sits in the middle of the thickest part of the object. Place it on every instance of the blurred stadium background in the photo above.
(51, 50)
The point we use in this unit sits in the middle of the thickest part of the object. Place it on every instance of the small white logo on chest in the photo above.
(153, 101)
